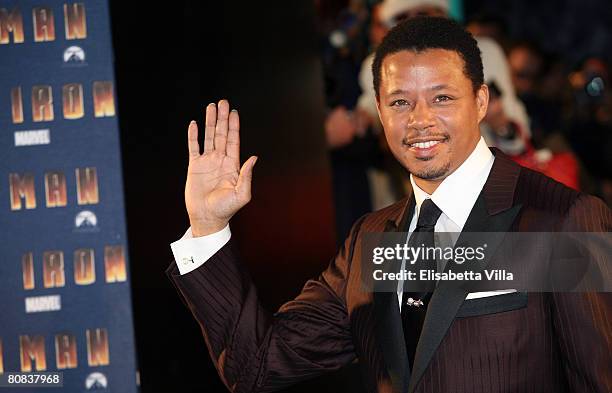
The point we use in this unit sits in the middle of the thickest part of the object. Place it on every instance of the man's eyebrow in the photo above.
(432, 88)
(440, 87)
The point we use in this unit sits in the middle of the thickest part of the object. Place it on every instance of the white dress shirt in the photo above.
(455, 196)
(457, 193)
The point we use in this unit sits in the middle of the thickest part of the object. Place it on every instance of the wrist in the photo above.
(206, 227)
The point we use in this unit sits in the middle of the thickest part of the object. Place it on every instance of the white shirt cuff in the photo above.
(191, 252)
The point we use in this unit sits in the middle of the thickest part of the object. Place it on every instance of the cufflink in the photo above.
(186, 261)
(414, 303)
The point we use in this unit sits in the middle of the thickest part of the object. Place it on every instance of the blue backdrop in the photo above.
(64, 274)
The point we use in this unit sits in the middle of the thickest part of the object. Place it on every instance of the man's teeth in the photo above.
(425, 145)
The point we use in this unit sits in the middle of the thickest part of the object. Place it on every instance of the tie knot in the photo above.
(428, 214)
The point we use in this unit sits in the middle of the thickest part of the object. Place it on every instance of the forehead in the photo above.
(410, 69)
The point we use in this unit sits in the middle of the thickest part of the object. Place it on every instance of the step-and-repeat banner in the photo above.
(64, 280)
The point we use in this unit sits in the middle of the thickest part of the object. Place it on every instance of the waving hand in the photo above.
(217, 187)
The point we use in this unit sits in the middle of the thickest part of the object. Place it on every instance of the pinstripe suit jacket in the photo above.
(536, 342)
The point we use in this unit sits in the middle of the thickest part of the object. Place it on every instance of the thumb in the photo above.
(243, 186)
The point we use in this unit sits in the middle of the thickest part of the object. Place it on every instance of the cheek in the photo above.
(392, 124)
(459, 127)
(447, 122)
(394, 140)
(394, 135)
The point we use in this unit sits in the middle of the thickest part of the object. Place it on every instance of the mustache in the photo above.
(411, 139)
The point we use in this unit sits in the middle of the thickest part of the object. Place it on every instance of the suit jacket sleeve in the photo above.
(583, 321)
(255, 351)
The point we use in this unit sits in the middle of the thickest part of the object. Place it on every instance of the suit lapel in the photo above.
(388, 330)
(492, 212)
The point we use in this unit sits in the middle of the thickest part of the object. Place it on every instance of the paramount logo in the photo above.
(33, 137)
(43, 303)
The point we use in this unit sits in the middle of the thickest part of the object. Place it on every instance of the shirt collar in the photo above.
(457, 193)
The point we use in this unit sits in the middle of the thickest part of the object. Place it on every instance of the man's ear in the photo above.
(482, 101)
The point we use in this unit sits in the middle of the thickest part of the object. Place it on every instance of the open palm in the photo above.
(217, 187)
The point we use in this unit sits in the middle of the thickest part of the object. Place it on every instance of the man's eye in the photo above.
(442, 98)
(399, 103)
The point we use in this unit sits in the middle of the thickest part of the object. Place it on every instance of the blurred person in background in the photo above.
(527, 63)
(539, 82)
(506, 125)
(590, 123)
(485, 24)
(352, 145)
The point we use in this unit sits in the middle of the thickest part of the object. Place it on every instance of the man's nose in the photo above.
(421, 117)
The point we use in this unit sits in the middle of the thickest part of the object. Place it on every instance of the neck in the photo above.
(429, 186)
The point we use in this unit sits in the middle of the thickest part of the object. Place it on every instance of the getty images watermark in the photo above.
(411, 256)
(486, 261)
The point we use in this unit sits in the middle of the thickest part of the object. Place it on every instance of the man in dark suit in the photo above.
(431, 98)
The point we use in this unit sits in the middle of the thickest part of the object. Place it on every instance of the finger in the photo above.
(221, 127)
(209, 128)
(243, 186)
(233, 137)
(192, 140)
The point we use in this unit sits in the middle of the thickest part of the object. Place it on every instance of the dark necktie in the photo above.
(414, 304)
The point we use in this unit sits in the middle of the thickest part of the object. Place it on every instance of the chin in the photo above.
(428, 170)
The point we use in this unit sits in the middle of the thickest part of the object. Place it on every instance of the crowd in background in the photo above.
(549, 110)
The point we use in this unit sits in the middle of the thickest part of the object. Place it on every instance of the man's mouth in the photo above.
(424, 145)
(424, 148)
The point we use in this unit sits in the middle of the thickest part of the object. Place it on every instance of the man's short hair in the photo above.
(422, 33)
